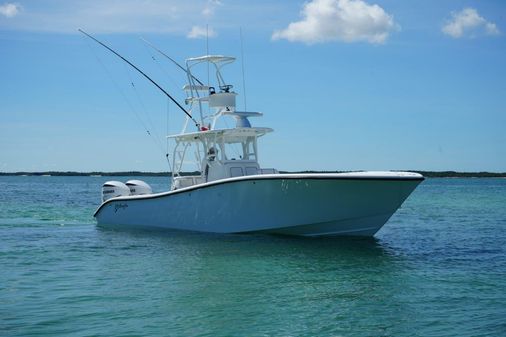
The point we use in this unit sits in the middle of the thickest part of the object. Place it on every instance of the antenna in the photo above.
(242, 66)
(207, 51)
(167, 139)
(143, 74)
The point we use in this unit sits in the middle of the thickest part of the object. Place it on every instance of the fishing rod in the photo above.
(170, 58)
(146, 76)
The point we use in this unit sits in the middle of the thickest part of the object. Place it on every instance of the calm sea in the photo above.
(438, 268)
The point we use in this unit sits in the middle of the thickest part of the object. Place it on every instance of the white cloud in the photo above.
(468, 22)
(9, 9)
(339, 20)
(210, 8)
(111, 16)
(198, 32)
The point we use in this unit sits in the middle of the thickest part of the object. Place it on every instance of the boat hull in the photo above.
(307, 204)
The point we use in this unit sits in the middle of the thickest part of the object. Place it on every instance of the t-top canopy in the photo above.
(211, 58)
(227, 135)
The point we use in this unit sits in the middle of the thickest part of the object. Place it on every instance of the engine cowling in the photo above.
(138, 187)
(112, 189)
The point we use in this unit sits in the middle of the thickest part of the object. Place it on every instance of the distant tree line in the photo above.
(428, 174)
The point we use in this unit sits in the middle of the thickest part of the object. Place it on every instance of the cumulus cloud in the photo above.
(210, 8)
(198, 32)
(468, 22)
(339, 20)
(9, 10)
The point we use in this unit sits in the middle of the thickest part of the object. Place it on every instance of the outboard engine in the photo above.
(138, 187)
(112, 189)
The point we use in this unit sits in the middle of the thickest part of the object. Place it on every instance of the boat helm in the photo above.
(138, 187)
(112, 189)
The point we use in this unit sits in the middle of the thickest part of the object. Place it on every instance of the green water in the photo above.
(438, 268)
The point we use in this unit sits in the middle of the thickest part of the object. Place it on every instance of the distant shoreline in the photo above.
(428, 174)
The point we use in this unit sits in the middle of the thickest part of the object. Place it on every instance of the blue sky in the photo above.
(347, 85)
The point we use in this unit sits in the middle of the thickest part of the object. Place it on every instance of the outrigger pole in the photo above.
(146, 76)
(170, 58)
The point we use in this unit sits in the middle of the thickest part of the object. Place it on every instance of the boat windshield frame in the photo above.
(222, 141)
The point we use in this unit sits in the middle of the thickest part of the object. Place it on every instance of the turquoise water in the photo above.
(438, 268)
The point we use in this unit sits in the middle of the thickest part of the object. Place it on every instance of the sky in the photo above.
(345, 84)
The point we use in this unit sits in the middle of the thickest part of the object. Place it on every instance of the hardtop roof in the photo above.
(211, 58)
(227, 135)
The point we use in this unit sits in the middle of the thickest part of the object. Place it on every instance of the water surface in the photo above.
(438, 268)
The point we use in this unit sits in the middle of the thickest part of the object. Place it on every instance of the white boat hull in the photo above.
(292, 204)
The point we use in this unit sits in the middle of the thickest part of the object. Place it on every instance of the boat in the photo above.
(230, 192)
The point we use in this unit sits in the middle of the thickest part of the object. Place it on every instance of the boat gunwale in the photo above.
(391, 176)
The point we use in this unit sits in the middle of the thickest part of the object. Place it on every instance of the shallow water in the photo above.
(438, 268)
